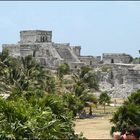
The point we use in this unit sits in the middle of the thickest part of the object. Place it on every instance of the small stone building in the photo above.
(116, 58)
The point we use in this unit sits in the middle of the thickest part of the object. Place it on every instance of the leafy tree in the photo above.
(62, 70)
(31, 111)
(4, 56)
(35, 119)
(104, 99)
(128, 114)
(89, 77)
(125, 116)
(84, 80)
(84, 70)
(92, 80)
(89, 100)
(73, 103)
(134, 98)
(81, 91)
(9, 72)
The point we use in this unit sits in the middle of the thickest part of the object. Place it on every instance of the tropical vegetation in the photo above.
(128, 114)
(33, 105)
(32, 108)
(104, 99)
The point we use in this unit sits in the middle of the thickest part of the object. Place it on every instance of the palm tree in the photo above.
(103, 99)
(82, 91)
(91, 79)
(84, 70)
(89, 100)
(128, 114)
(73, 103)
(62, 70)
(30, 112)
(125, 116)
(134, 98)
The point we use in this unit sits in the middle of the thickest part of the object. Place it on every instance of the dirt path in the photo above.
(96, 128)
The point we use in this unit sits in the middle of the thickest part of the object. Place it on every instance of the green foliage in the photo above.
(88, 77)
(105, 68)
(83, 82)
(104, 99)
(35, 119)
(63, 69)
(4, 55)
(31, 111)
(92, 80)
(79, 88)
(125, 116)
(84, 70)
(134, 98)
(128, 114)
(90, 98)
(73, 103)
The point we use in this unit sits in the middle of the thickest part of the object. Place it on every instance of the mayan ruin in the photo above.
(69, 70)
(120, 79)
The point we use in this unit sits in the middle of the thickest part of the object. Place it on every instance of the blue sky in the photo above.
(98, 27)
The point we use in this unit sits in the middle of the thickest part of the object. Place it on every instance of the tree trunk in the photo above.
(104, 108)
(90, 110)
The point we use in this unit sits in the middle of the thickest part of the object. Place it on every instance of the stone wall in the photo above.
(26, 49)
(98, 58)
(48, 55)
(66, 52)
(31, 36)
(116, 58)
(77, 50)
(75, 66)
(88, 60)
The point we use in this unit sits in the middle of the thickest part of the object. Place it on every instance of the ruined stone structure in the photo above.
(39, 44)
(117, 58)
(121, 78)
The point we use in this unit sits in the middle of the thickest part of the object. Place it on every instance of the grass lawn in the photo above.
(97, 127)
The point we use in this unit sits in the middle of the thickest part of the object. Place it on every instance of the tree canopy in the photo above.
(32, 109)
(128, 114)
(104, 99)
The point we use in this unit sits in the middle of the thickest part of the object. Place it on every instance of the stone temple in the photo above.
(38, 43)
(122, 77)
